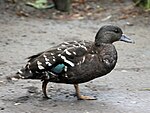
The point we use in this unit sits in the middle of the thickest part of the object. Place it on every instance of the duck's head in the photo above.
(110, 34)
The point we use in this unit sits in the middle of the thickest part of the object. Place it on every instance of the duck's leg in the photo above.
(44, 84)
(81, 97)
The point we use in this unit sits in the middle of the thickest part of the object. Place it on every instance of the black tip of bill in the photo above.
(126, 39)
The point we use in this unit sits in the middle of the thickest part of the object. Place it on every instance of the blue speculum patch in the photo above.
(59, 68)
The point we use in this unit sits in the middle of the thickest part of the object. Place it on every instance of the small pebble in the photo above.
(133, 102)
(16, 104)
(72, 104)
(86, 112)
(14, 79)
(2, 108)
(107, 18)
(1, 81)
(129, 24)
(124, 71)
(44, 109)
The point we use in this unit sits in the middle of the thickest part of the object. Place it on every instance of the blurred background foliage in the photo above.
(143, 3)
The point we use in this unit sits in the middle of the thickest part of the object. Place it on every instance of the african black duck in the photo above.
(77, 61)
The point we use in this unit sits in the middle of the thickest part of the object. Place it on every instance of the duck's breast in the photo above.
(98, 64)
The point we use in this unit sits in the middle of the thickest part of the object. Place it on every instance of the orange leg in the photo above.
(81, 97)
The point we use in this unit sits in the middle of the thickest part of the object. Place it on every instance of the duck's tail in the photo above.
(23, 73)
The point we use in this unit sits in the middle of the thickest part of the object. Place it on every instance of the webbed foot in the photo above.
(81, 97)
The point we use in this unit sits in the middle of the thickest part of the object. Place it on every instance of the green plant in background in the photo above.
(62, 5)
(40, 4)
(143, 3)
(148, 4)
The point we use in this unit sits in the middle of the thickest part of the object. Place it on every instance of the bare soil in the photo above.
(125, 90)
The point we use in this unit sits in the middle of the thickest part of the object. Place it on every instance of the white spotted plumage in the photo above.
(75, 41)
(59, 49)
(47, 60)
(83, 47)
(74, 53)
(67, 61)
(83, 59)
(39, 64)
(78, 63)
(48, 63)
(40, 67)
(74, 45)
(54, 58)
(45, 57)
(83, 42)
(59, 55)
(106, 61)
(63, 45)
(20, 71)
(30, 71)
(65, 69)
(66, 43)
(51, 53)
(92, 55)
(67, 52)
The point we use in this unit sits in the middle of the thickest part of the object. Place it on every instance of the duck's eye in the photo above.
(116, 31)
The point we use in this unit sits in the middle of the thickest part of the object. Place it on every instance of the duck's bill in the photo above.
(126, 39)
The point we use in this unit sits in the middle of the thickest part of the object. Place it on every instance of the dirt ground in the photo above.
(125, 90)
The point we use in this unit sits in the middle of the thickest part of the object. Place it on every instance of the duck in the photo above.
(76, 62)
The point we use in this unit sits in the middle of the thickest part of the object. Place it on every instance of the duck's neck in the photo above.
(101, 46)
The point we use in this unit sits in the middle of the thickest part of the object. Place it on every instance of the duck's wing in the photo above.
(67, 53)
(76, 47)
(57, 58)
